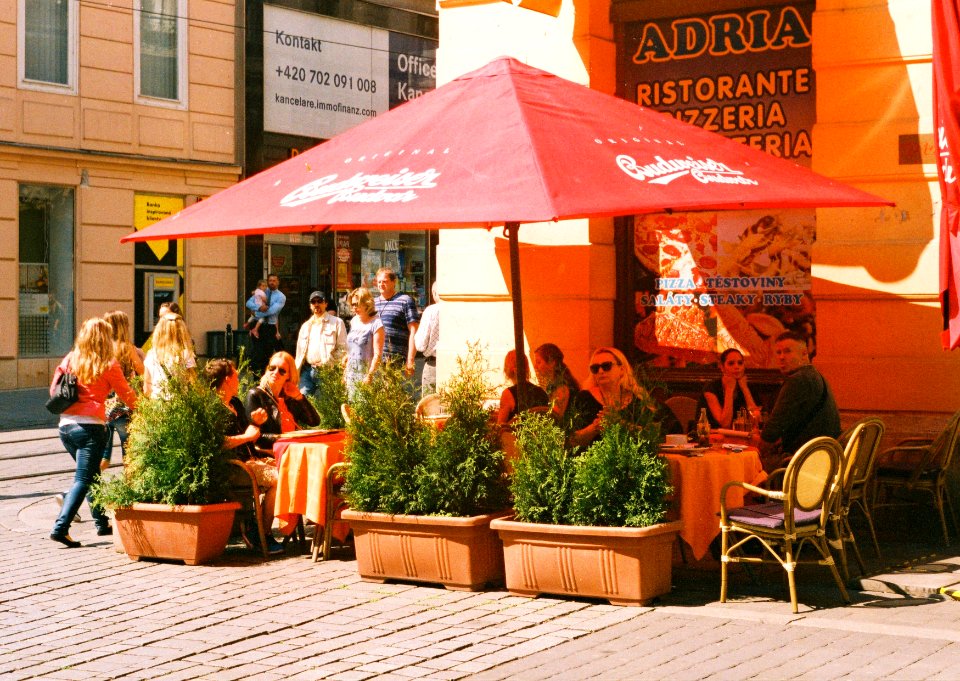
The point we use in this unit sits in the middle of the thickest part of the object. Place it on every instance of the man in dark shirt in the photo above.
(805, 407)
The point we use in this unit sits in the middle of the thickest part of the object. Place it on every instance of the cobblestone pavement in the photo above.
(91, 613)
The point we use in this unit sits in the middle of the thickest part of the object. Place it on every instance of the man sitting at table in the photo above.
(805, 407)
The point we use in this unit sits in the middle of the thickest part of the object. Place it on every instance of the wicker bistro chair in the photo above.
(335, 502)
(921, 465)
(859, 456)
(249, 494)
(796, 516)
(685, 409)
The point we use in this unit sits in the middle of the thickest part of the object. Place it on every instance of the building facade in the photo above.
(840, 86)
(111, 117)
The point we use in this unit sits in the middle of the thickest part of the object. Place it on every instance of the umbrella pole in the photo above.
(512, 229)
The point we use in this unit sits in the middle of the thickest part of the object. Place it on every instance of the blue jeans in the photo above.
(85, 443)
(118, 426)
(308, 382)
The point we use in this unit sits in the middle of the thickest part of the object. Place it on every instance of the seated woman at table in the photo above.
(614, 392)
(532, 395)
(555, 377)
(280, 398)
(724, 397)
(242, 432)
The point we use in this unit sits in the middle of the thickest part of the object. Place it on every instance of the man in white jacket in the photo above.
(322, 341)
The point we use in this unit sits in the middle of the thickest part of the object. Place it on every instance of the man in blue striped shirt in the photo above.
(400, 318)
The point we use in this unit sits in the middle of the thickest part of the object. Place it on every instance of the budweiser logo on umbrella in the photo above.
(664, 171)
(364, 188)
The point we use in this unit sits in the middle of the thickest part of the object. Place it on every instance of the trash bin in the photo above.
(217, 344)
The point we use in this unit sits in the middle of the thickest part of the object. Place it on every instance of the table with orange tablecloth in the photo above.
(303, 463)
(697, 481)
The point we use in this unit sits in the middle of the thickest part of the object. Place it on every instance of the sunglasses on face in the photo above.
(606, 366)
(279, 369)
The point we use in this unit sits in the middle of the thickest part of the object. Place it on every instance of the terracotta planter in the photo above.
(193, 534)
(462, 554)
(624, 565)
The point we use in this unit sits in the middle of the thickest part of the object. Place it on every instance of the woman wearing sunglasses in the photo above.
(614, 393)
(279, 396)
(726, 396)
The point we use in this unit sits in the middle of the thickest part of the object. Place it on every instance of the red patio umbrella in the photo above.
(503, 145)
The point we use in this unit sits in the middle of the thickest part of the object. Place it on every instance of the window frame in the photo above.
(182, 71)
(70, 87)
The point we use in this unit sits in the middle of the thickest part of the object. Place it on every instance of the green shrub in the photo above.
(618, 481)
(329, 394)
(542, 484)
(175, 450)
(461, 471)
(401, 465)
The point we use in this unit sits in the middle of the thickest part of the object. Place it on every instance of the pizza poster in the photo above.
(728, 279)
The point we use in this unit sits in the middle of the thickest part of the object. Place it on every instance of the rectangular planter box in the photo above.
(193, 534)
(462, 554)
(624, 565)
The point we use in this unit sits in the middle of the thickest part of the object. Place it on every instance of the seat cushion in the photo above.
(770, 515)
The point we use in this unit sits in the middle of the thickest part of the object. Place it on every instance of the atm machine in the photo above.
(158, 288)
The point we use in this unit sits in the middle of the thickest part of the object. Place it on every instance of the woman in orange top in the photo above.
(83, 429)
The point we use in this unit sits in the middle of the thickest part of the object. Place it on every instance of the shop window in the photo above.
(47, 44)
(46, 271)
(160, 27)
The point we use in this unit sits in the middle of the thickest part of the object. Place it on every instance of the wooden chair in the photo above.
(335, 502)
(794, 517)
(919, 465)
(250, 495)
(685, 409)
(859, 456)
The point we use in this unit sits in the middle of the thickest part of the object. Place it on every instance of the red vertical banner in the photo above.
(946, 103)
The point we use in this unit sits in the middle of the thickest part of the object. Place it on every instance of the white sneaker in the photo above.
(59, 499)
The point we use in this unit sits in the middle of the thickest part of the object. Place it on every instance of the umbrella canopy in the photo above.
(507, 143)
(504, 145)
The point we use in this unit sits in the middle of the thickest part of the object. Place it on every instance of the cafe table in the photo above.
(698, 475)
(303, 459)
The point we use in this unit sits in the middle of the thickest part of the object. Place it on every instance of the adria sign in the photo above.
(664, 171)
(396, 187)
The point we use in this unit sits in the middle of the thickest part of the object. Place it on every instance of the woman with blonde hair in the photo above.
(171, 351)
(130, 358)
(83, 429)
(528, 393)
(364, 341)
(613, 392)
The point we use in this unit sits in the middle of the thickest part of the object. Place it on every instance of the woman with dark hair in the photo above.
(555, 378)
(278, 395)
(83, 429)
(529, 393)
(724, 397)
(241, 434)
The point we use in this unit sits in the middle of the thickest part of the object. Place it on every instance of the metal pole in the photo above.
(512, 229)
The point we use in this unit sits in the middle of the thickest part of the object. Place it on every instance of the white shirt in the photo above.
(322, 340)
(428, 333)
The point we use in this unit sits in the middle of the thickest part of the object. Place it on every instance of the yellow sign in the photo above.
(148, 209)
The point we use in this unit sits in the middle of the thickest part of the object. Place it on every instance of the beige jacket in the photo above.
(322, 340)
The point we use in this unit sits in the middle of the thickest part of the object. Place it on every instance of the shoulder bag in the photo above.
(64, 393)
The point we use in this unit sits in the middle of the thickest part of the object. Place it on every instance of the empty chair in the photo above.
(859, 456)
(429, 405)
(685, 409)
(792, 518)
(920, 465)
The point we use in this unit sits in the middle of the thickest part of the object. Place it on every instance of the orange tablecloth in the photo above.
(302, 468)
(697, 481)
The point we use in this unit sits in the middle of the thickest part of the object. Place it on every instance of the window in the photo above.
(46, 271)
(161, 30)
(46, 41)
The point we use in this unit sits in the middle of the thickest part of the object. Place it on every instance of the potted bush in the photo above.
(170, 501)
(421, 498)
(589, 523)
